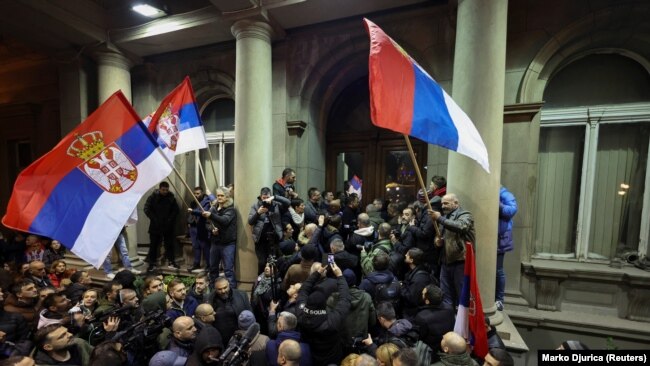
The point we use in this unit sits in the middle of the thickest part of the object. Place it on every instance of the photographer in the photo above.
(321, 328)
(265, 218)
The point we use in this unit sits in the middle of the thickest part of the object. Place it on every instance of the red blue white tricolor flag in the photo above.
(405, 99)
(176, 124)
(470, 321)
(83, 191)
(355, 185)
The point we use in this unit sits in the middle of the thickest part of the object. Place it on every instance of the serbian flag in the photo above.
(355, 185)
(470, 321)
(176, 124)
(83, 191)
(405, 99)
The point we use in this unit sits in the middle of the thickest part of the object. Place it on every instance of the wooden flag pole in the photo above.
(205, 181)
(214, 170)
(176, 189)
(419, 174)
(178, 174)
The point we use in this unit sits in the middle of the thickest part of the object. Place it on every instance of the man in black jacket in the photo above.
(343, 259)
(265, 219)
(321, 328)
(434, 319)
(423, 232)
(227, 304)
(416, 279)
(161, 209)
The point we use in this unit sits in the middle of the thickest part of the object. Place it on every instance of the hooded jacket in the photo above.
(209, 337)
(322, 328)
(371, 281)
(358, 238)
(362, 314)
(507, 210)
(274, 345)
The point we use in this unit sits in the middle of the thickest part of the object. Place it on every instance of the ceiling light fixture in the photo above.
(149, 11)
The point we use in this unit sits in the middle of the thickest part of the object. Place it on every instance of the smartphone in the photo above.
(330, 259)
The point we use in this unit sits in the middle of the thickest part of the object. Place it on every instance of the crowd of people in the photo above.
(337, 285)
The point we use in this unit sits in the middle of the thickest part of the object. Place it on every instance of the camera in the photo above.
(271, 260)
(397, 233)
(266, 204)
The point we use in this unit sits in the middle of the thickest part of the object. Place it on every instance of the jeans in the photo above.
(120, 243)
(225, 253)
(500, 290)
(451, 282)
(199, 247)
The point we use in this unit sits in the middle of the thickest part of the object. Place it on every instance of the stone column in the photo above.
(253, 133)
(113, 74)
(478, 88)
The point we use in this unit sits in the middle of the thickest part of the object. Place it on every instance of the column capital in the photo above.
(246, 28)
(111, 57)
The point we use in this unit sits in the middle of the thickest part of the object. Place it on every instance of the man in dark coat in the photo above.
(414, 281)
(423, 233)
(321, 328)
(161, 209)
(285, 186)
(434, 319)
(265, 219)
(227, 303)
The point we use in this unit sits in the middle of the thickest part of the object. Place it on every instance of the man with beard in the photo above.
(200, 291)
(56, 346)
(227, 303)
(183, 336)
(285, 186)
(182, 305)
(13, 332)
(415, 280)
(457, 229)
(23, 301)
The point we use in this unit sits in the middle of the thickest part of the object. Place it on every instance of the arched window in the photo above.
(593, 160)
(218, 118)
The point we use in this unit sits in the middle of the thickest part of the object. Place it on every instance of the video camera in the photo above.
(237, 351)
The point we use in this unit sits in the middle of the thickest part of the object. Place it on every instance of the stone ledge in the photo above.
(510, 336)
(586, 271)
(599, 325)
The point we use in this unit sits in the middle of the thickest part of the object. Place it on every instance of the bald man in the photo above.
(204, 315)
(183, 336)
(38, 274)
(455, 349)
(289, 353)
(457, 229)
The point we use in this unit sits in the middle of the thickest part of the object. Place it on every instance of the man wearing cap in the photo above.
(257, 349)
(322, 328)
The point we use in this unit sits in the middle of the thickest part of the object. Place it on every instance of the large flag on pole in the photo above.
(176, 124)
(470, 321)
(83, 191)
(405, 99)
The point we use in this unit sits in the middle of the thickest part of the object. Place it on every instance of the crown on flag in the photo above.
(87, 145)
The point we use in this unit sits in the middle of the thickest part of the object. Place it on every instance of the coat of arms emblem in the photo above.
(108, 166)
(168, 127)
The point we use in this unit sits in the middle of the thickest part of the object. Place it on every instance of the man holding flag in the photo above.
(457, 229)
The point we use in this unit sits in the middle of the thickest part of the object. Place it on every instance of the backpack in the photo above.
(388, 292)
(412, 340)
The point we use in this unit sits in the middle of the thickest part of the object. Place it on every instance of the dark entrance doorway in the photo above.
(377, 156)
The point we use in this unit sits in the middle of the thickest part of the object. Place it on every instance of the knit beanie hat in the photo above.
(246, 319)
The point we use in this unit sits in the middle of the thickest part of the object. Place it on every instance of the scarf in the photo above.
(295, 217)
